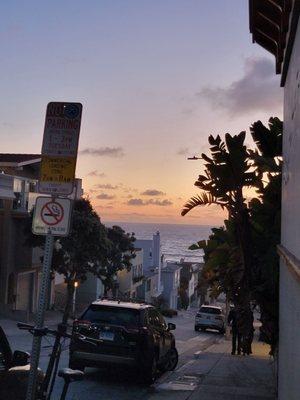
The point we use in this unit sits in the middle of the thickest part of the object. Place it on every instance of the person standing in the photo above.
(236, 337)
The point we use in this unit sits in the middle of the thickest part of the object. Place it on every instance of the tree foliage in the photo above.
(89, 248)
(229, 258)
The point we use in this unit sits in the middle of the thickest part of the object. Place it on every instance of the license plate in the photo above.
(107, 336)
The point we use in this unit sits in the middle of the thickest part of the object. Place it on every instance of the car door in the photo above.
(157, 330)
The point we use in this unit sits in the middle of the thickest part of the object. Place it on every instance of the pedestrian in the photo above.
(236, 337)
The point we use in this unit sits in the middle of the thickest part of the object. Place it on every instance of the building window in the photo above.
(148, 287)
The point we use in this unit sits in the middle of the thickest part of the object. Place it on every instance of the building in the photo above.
(171, 281)
(20, 265)
(130, 282)
(274, 25)
(152, 287)
(189, 276)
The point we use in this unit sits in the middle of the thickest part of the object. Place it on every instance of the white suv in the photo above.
(210, 317)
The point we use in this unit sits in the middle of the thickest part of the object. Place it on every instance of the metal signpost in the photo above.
(52, 214)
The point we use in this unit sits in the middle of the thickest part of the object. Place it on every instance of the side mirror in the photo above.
(171, 327)
(20, 358)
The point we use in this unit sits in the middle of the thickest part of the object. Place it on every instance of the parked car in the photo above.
(210, 317)
(130, 335)
(14, 371)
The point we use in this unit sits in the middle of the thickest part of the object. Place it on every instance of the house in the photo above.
(189, 276)
(152, 286)
(129, 282)
(275, 26)
(170, 275)
(20, 265)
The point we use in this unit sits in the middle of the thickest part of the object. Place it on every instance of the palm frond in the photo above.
(203, 199)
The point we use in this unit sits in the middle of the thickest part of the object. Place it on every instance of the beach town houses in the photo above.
(189, 278)
(20, 266)
(152, 287)
(275, 26)
(130, 282)
(171, 281)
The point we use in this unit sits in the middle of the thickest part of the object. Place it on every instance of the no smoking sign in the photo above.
(51, 216)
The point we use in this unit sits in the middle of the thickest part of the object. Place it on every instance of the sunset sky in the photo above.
(155, 78)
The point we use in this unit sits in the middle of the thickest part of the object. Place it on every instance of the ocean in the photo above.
(175, 239)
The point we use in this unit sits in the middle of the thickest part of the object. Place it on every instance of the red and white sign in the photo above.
(51, 216)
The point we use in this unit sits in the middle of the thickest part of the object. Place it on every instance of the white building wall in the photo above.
(289, 339)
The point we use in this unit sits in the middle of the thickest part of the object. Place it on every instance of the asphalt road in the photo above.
(111, 384)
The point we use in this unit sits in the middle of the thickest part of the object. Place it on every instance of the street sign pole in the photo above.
(39, 323)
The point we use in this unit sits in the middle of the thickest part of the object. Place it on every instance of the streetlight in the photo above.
(74, 298)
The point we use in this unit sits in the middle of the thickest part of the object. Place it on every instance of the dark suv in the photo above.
(130, 334)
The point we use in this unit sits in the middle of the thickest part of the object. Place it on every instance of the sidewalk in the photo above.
(215, 374)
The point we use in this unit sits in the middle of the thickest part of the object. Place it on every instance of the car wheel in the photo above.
(196, 329)
(172, 359)
(222, 331)
(76, 365)
(149, 374)
(203, 329)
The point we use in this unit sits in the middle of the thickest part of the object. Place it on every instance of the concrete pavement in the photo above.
(215, 374)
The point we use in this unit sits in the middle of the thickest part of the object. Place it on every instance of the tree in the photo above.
(118, 256)
(227, 173)
(89, 248)
(223, 252)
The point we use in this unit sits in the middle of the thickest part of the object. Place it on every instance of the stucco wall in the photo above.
(289, 341)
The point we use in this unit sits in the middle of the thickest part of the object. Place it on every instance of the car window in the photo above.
(112, 315)
(210, 310)
(155, 318)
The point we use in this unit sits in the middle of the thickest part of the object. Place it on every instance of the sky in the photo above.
(155, 77)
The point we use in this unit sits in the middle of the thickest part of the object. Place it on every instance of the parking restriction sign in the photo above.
(51, 215)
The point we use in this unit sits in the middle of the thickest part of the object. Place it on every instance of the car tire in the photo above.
(222, 331)
(76, 365)
(203, 329)
(172, 359)
(196, 329)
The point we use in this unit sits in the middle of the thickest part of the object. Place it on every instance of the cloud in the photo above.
(152, 192)
(136, 202)
(161, 203)
(96, 173)
(115, 152)
(257, 90)
(104, 196)
(184, 151)
(105, 186)
(155, 202)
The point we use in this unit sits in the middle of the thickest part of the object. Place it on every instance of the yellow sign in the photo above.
(58, 169)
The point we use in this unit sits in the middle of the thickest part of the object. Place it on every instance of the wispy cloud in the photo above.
(155, 202)
(114, 152)
(96, 174)
(152, 192)
(105, 186)
(105, 196)
(257, 90)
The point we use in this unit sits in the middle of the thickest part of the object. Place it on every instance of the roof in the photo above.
(122, 304)
(11, 159)
(273, 24)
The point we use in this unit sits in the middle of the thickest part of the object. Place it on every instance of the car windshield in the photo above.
(210, 310)
(112, 315)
